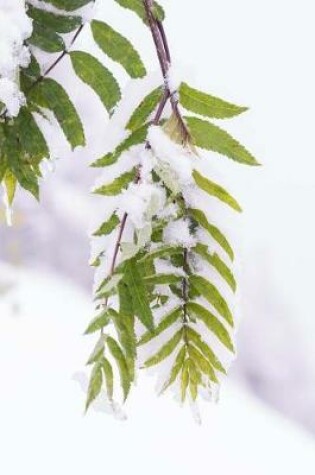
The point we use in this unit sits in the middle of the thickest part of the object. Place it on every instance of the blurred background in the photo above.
(253, 53)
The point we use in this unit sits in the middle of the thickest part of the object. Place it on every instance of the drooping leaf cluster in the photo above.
(157, 305)
(165, 273)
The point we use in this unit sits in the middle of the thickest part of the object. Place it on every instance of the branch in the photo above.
(164, 56)
(57, 61)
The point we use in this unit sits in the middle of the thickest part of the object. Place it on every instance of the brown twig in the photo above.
(164, 57)
(163, 52)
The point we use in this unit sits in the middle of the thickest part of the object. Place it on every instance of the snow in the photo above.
(173, 79)
(179, 159)
(42, 401)
(11, 96)
(141, 201)
(178, 232)
(15, 28)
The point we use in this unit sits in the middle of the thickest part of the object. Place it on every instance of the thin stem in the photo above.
(164, 56)
(148, 5)
(58, 59)
(118, 242)
(164, 39)
(123, 223)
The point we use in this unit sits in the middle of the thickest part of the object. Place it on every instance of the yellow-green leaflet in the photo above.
(95, 385)
(184, 380)
(137, 7)
(98, 77)
(10, 182)
(202, 363)
(118, 48)
(46, 39)
(145, 108)
(56, 22)
(166, 350)
(212, 323)
(109, 377)
(138, 294)
(108, 226)
(215, 261)
(211, 293)
(210, 137)
(196, 339)
(165, 323)
(114, 188)
(50, 94)
(98, 351)
(135, 138)
(207, 105)
(179, 361)
(215, 232)
(121, 363)
(99, 322)
(216, 190)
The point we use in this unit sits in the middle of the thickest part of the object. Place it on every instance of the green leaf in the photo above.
(145, 109)
(97, 352)
(178, 365)
(31, 138)
(99, 322)
(215, 190)
(211, 293)
(215, 261)
(33, 69)
(135, 138)
(207, 105)
(118, 48)
(126, 310)
(14, 152)
(165, 323)
(9, 183)
(163, 251)
(166, 350)
(109, 284)
(98, 77)
(184, 380)
(211, 322)
(109, 377)
(125, 300)
(162, 279)
(195, 338)
(68, 5)
(95, 385)
(211, 137)
(121, 363)
(53, 21)
(124, 325)
(114, 188)
(46, 39)
(202, 363)
(216, 234)
(108, 226)
(140, 301)
(137, 7)
(51, 95)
